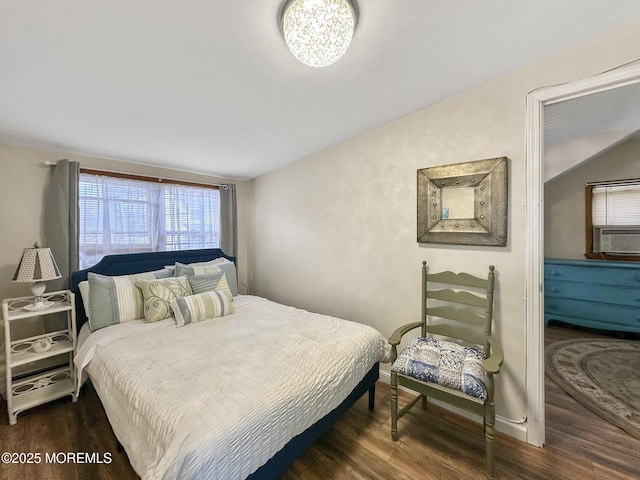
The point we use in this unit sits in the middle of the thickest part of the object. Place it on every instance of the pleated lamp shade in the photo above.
(37, 265)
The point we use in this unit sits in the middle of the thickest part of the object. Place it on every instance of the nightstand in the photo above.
(39, 368)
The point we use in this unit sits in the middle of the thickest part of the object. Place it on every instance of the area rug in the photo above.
(603, 375)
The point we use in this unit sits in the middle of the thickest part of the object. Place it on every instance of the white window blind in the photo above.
(616, 205)
(120, 215)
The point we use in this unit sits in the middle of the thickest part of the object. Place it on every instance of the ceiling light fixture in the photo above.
(318, 32)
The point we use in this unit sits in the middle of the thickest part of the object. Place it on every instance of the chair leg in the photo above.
(489, 433)
(394, 406)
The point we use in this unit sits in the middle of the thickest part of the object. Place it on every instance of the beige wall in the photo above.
(23, 180)
(336, 232)
(564, 208)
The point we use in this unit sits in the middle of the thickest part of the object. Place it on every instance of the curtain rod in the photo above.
(49, 163)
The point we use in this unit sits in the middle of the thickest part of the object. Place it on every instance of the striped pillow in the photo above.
(117, 299)
(196, 308)
(205, 268)
(229, 270)
(192, 270)
(210, 282)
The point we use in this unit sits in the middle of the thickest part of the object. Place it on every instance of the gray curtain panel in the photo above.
(61, 227)
(228, 220)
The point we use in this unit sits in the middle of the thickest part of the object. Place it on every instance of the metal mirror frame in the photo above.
(489, 179)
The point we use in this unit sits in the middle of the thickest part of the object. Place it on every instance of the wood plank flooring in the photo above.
(433, 443)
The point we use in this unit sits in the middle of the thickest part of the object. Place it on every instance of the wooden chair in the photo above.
(459, 309)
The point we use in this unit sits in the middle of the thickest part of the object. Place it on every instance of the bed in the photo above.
(237, 396)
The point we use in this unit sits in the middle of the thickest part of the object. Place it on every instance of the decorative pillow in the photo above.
(200, 307)
(232, 277)
(157, 295)
(204, 268)
(210, 282)
(445, 363)
(208, 263)
(83, 287)
(117, 299)
(192, 270)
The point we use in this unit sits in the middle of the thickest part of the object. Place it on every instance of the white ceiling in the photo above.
(580, 129)
(209, 86)
(611, 111)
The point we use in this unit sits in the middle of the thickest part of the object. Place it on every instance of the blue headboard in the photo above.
(137, 263)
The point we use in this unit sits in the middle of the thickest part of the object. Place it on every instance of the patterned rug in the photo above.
(602, 375)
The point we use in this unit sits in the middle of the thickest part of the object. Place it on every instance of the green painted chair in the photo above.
(454, 352)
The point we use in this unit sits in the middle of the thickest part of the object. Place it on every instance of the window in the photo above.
(613, 220)
(121, 214)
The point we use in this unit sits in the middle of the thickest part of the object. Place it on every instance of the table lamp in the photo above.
(37, 265)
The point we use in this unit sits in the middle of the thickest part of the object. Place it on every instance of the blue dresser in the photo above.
(593, 293)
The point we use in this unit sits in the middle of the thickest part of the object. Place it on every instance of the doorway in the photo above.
(534, 261)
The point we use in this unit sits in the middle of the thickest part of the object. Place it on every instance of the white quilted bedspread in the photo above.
(217, 399)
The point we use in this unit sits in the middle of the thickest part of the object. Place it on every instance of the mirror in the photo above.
(464, 203)
(457, 203)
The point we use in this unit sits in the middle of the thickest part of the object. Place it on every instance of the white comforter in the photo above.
(217, 399)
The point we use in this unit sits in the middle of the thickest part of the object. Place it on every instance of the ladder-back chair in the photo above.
(455, 358)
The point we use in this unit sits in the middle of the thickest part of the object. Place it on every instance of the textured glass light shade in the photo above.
(318, 32)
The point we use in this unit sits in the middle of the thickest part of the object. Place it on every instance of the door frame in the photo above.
(534, 248)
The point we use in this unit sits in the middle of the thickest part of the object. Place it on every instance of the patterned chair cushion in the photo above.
(445, 363)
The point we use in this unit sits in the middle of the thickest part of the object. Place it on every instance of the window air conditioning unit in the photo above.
(620, 240)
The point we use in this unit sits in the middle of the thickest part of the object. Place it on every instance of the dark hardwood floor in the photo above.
(433, 444)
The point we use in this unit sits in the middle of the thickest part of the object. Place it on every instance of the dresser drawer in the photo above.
(609, 294)
(594, 273)
(609, 314)
(593, 293)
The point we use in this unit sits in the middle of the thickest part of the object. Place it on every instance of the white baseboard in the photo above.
(516, 430)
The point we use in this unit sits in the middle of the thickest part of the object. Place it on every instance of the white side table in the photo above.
(26, 390)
